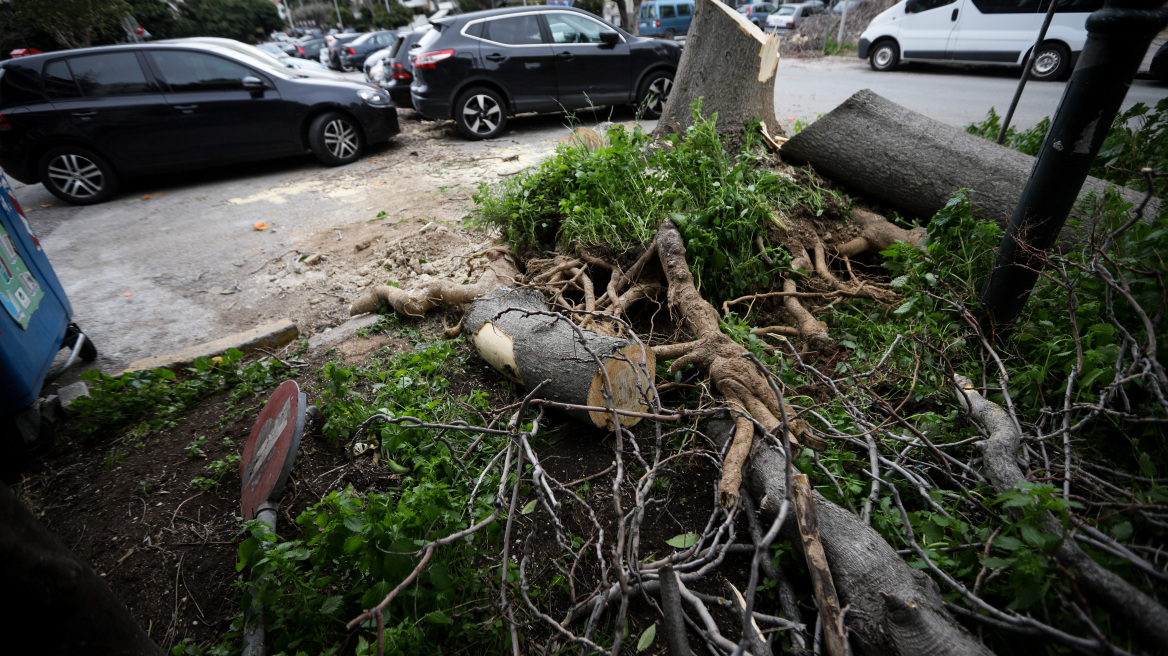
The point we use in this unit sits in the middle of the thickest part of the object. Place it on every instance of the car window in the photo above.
(668, 11)
(108, 74)
(570, 28)
(786, 10)
(59, 81)
(18, 85)
(196, 71)
(514, 30)
(684, 10)
(648, 11)
(917, 6)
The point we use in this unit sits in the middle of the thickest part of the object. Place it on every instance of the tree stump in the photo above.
(730, 64)
(517, 334)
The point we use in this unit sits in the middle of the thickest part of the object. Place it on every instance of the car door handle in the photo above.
(954, 16)
(494, 56)
(566, 55)
(85, 116)
(186, 109)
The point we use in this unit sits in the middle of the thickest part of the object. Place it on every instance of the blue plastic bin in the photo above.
(34, 316)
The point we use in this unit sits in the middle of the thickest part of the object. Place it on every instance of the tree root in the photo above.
(501, 271)
(878, 234)
(1000, 457)
(723, 361)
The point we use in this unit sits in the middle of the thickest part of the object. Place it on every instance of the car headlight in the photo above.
(374, 97)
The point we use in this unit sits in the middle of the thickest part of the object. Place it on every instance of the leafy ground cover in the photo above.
(1079, 376)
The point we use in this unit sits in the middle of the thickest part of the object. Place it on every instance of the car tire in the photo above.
(480, 113)
(885, 56)
(654, 94)
(347, 67)
(670, 34)
(336, 139)
(1051, 62)
(77, 175)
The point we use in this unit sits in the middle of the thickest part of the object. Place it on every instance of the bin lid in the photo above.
(271, 448)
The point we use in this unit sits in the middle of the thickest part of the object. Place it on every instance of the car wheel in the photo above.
(670, 33)
(78, 175)
(654, 94)
(480, 114)
(885, 56)
(1051, 62)
(335, 139)
(347, 67)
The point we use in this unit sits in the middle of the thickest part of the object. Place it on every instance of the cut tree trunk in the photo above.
(728, 63)
(57, 604)
(892, 608)
(516, 333)
(915, 164)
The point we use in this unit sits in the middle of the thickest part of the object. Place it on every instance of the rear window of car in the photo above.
(684, 10)
(59, 82)
(195, 71)
(107, 74)
(514, 30)
(18, 86)
(786, 10)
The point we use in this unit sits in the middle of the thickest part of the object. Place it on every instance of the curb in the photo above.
(270, 336)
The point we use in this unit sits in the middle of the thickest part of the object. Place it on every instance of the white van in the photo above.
(978, 32)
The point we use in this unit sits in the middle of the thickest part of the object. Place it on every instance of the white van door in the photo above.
(996, 30)
(927, 28)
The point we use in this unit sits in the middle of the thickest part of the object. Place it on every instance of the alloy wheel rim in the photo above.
(340, 138)
(77, 176)
(481, 114)
(659, 93)
(1047, 61)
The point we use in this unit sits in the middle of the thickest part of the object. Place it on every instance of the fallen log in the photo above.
(515, 331)
(892, 608)
(914, 163)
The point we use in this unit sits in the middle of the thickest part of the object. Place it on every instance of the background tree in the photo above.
(398, 16)
(70, 23)
(318, 14)
(249, 21)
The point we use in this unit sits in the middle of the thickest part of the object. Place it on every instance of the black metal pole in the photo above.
(1026, 70)
(1117, 40)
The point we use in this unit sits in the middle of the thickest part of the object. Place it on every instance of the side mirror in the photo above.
(252, 83)
(609, 37)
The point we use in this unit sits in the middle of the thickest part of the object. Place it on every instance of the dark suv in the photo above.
(478, 68)
(399, 68)
(81, 120)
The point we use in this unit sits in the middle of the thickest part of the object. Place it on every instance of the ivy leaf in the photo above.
(353, 523)
(1147, 466)
(683, 541)
(905, 307)
(995, 563)
(1121, 531)
(438, 617)
(330, 606)
(1008, 543)
(646, 638)
(899, 281)
(528, 508)
(1031, 535)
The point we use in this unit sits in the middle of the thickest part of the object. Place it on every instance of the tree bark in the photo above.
(913, 163)
(892, 608)
(728, 63)
(56, 603)
(513, 330)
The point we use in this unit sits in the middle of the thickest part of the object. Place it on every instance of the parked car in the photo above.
(788, 17)
(353, 54)
(400, 73)
(852, 5)
(374, 67)
(81, 121)
(998, 32)
(295, 66)
(1159, 66)
(330, 53)
(309, 47)
(757, 12)
(666, 18)
(480, 67)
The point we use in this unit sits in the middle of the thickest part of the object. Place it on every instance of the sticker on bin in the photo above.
(20, 293)
(10, 206)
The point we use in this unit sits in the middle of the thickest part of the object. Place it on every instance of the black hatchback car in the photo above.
(478, 68)
(80, 121)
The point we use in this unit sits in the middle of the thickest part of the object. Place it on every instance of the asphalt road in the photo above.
(808, 88)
